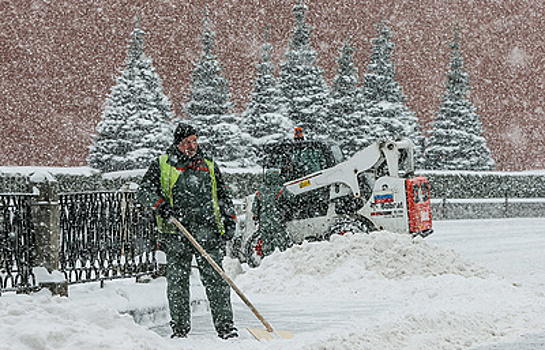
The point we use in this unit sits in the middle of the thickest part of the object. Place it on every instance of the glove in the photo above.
(230, 228)
(165, 211)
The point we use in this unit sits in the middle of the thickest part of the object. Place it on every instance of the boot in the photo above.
(178, 334)
(228, 332)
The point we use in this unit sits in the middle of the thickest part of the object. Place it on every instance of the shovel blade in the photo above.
(263, 334)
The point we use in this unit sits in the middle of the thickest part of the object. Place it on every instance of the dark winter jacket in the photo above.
(269, 208)
(192, 193)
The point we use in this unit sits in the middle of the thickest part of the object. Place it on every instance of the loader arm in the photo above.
(391, 152)
(345, 173)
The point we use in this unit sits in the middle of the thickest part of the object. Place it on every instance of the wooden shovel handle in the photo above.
(221, 272)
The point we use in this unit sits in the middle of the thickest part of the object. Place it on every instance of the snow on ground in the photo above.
(472, 282)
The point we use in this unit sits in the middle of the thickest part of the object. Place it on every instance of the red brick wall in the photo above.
(59, 60)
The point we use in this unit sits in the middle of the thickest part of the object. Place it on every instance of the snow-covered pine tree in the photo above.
(456, 141)
(302, 83)
(210, 103)
(264, 119)
(388, 115)
(136, 124)
(349, 128)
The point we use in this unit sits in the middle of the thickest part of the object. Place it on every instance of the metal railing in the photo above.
(17, 242)
(105, 235)
(101, 236)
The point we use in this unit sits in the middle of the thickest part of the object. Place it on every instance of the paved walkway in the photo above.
(202, 323)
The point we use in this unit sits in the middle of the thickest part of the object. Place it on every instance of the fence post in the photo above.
(46, 220)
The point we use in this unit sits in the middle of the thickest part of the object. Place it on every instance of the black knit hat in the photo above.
(182, 131)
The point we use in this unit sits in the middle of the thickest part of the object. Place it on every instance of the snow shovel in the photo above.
(260, 334)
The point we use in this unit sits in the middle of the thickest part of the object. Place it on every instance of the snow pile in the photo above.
(44, 322)
(42, 275)
(125, 295)
(446, 332)
(341, 263)
(376, 291)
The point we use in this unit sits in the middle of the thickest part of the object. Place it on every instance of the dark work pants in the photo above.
(274, 235)
(179, 253)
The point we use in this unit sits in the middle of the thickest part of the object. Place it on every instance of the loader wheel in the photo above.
(343, 226)
(254, 250)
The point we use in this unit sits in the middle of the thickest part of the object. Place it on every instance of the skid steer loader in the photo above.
(373, 190)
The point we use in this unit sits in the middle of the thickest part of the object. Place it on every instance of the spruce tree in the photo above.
(456, 141)
(136, 124)
(388, 115)
(210, 103)
(349, 128)
(302, 83)
(264, 119)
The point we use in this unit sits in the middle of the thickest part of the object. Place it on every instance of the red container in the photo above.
(419, 206)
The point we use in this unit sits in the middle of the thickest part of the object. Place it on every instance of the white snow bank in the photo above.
(124, 174)
(346, 294)
(402, 293)
(42, 275)
(443, 312)
(344, 261)
(44, 322)
(414, 333)
(27, 170)
(125, 296)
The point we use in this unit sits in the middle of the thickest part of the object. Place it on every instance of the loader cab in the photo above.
(297, 158)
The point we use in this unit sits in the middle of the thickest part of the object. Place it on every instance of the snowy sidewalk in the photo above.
(377, 291)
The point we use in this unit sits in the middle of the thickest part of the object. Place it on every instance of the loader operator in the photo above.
(186, 184)
(270, 209)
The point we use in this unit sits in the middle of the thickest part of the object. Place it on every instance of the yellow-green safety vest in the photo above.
(169, 176)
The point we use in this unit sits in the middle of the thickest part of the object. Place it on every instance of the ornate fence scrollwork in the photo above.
(17, 242)
(105, 235)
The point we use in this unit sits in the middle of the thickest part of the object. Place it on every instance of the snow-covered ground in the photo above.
(472, 283)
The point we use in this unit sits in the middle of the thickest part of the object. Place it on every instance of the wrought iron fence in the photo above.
(17, 242)
(105, 235)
